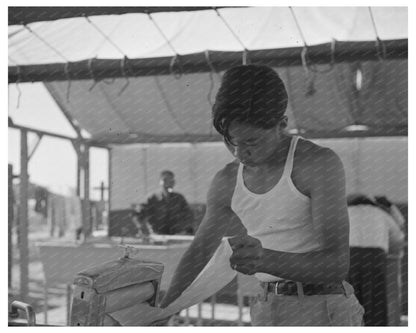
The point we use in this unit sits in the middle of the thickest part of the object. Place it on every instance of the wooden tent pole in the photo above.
(10, 225)
(77, 147)
(86, 214)
(23, 217)
(110, 182)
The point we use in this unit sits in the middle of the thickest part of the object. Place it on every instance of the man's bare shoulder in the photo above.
(313, 156)
(227, 174)
(222, 186)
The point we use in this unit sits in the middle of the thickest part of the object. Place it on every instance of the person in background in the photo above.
(389, 207)
(373, 232)
(167, 212)
(394, 261)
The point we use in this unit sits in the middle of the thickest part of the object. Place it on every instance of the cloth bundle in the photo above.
(215, 275)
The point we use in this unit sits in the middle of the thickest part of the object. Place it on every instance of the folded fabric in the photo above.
(215, 275)
(128, 296)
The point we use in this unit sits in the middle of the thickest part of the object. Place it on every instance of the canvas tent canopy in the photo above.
(148, 76)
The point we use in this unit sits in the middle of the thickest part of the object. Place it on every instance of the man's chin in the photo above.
(249, 163)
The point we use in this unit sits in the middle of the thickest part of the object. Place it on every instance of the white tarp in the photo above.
(162, 105)
(137, 36)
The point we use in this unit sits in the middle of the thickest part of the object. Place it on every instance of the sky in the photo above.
(53, 163)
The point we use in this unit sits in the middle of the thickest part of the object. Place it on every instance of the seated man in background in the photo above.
(167, 212)
(373, 233)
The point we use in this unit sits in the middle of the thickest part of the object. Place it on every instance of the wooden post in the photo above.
(109, 190)
(102, 188)
(77, 148)
(199, 321)
(68, 304)
(23, 217)
(10, 225)
(86, 214)
(213, 301)
(78, 189)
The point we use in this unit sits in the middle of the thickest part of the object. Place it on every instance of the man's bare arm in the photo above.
(213, 227)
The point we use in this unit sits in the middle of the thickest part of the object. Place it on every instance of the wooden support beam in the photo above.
(10, 224)
(78, 189)
(25, 15)
(99, 69)
(23, 218)
(32, 151)
(86, 214)
(40, 132)
(55, 135)
(77, 147)
(110, 182)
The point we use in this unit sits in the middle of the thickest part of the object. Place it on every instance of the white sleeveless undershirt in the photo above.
(280, 218)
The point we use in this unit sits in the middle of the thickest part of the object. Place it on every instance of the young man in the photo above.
(288, 195)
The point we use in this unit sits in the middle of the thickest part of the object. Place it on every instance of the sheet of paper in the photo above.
(215, 275)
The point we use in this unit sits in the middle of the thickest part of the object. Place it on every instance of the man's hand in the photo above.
(248, 254)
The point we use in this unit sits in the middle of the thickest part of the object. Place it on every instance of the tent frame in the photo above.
(81, 146)
(204, 62)
(27, 15)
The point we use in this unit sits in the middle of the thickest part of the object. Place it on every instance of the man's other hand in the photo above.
(247, 254)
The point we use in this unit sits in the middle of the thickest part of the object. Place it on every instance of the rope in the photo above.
(176, 56)
(162, 33)
(379, 43)
(373, 21)
(211, 86)
(298, 26)
(17, 82)
(68, 88)
(313, 68)
(123, 72)
(211, 78)
(171, 67)
(92, 74)
(66, 66)
(245, 51)
(304, 54)
(46, 43)
(19, 92)
(106, 37)
(168, 105)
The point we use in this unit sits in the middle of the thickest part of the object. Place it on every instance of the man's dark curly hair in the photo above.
(251, 94)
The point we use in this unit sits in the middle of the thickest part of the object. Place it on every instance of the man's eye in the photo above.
(230, 143)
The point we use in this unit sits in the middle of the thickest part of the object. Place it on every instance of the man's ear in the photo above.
(283, 122)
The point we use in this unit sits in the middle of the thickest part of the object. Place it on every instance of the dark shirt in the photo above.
(168, 214)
